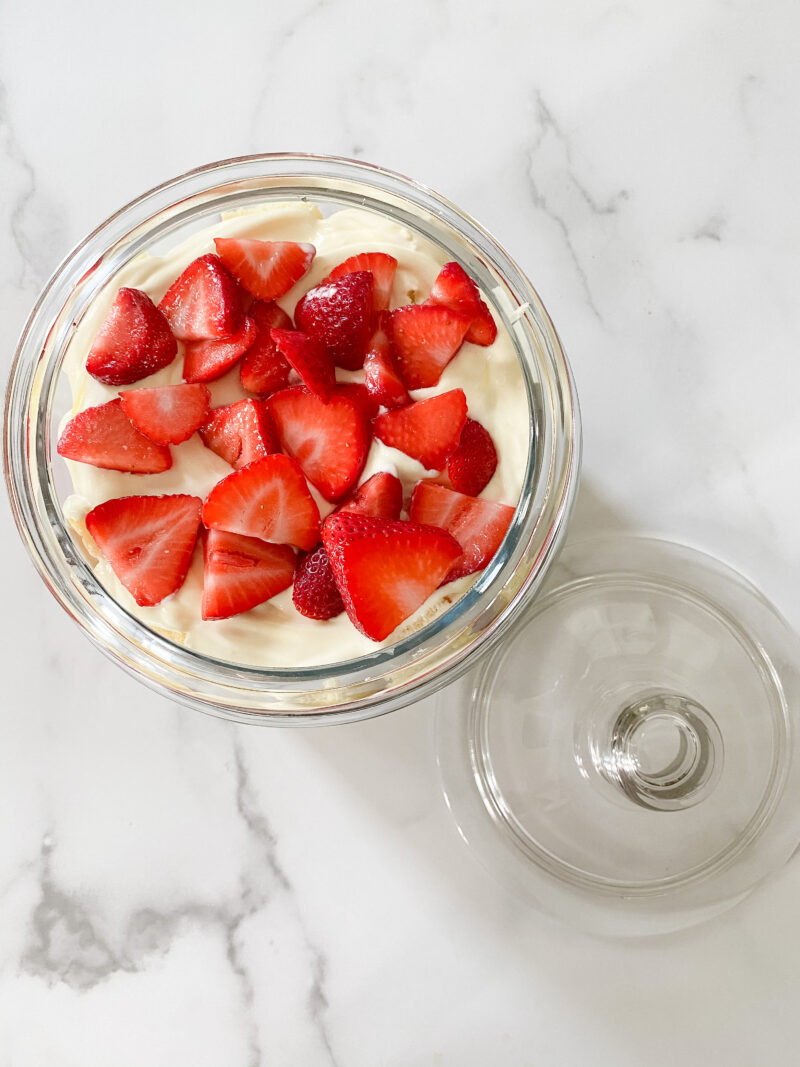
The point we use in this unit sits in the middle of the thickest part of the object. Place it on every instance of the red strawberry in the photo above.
(385, 570)
(134, 341)
(268, 499)
(267, 269)
(426, 338)
(203, 361)
(329, 441)
(381, 266)
(242, 572)
(453, 288)
(471, 466)
(240, 432)
(380, 370)
(380, 496)
(428, 430)
(203, 303)
(357, 392)
(263, 368)
(309, 358)
(148, 540)
(105, 437)
(315, 594)
(169, 414)
(339, 314)
(478, 525)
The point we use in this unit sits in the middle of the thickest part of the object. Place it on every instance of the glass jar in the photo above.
(389, 677)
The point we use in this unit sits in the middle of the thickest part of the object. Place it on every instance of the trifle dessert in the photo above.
(294, 438)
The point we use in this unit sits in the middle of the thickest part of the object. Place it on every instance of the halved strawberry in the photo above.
(380, 370)
(105, 437)
(357, 392)
(134, 341)
(309, 358)
(263, 369)
(203, 303)
(204, 361)
(385, 570)
(425, 338)
(381, 266)
(240, 432)
(329, 441)
(428, 431)
(315, 593)
(268, 499)
(339, 313)
(148, 541)
(471, 466)
(241, 572)
(267, 269)
(479, 526)
(169, 414)
(453, 288)
(380, 496)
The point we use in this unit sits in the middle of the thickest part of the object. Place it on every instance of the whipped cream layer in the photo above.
(275, 635)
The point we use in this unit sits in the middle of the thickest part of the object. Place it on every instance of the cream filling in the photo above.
(275, 635)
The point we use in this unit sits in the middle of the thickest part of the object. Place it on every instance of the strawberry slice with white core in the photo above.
(381, 376)
(204, 302)
(339, 314)
(381, 266)
(385, 570)
(168, 414)
(240, 433)
(205, 361)
(453, 288)
(105, 437)
(329, 440)
(240, 573)
(267, 269)
(479, 526)
(309, 358)
(263, 369)
(425, 338)
(148, 542)
(428, 431)
(268, 499)
(134, 341)
(315, 593)
(471, 466)
(380, 496)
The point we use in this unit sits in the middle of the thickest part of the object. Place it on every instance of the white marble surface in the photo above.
(175, 890)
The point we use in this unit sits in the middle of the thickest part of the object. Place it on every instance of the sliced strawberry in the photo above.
(309, 358)
(339, 314)
(268, 499)
(428, 430)
(471, 466)
(169, 414)
(263, 368)
(381, 266)
(380, 496)
(242, 572)
(240, 432)
(148, 541)
(105, 437)
(134, 341)
(329, 441)
(315, 593)
(380, 370)
(203, 303)
(385, 570)
(479, 526)
(426, 337)
(267, 269)
(359, 395)
(204, 361)
(453, 288)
